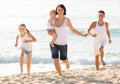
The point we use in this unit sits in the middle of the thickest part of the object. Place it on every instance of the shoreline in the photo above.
(13, 68)
(106, 75)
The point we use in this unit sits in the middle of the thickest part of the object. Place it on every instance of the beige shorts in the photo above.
(97, 45)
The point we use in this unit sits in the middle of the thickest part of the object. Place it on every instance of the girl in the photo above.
(26, 47)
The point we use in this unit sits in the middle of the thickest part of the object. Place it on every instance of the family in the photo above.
(57, 28)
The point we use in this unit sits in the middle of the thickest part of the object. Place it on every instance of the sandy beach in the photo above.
(107, 75)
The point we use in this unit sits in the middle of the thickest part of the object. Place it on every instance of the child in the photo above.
(51, 26)
(26, 47)
(101, 31)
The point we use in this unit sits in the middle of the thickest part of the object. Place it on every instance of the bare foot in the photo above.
(67, 64)
(28, 75)
(60, 74)
(104, 64)
(21, 72)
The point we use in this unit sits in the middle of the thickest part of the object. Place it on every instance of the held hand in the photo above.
(93, 35)
(85, 35)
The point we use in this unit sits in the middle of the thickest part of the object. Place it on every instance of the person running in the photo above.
(26, 47)
(101, 31)
(59, 52)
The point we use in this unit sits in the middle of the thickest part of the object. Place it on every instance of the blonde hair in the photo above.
(53, 11)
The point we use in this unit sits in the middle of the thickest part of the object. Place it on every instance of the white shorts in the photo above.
(98, 44)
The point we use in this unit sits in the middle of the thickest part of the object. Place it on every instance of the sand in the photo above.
(107, 75)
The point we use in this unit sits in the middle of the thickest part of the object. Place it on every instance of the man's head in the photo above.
(101, 14)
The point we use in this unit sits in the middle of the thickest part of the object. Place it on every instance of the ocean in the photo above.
(35, 13)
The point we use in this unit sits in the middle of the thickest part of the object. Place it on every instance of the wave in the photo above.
(38, 60)
(34, 60)
(115, 32)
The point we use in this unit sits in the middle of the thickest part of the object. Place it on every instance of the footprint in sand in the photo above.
(5, 80)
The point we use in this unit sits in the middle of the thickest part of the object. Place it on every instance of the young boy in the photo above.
(101, 31)
(51, 27)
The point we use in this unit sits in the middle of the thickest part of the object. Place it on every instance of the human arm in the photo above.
(51, 23)
(92, 26)
(33, 39)
(16, 44)
(73, 30)
(108, 33)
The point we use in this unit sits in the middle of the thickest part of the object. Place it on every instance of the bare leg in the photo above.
(57, 66)
(102, 55)
(21, 61)
(67, 63)
(28, 64)
(53, 39)
(97, 61)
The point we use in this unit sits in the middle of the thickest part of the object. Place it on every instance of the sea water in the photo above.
(35, 13)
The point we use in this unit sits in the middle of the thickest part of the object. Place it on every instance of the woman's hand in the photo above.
(84, 35)
(93, 35)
